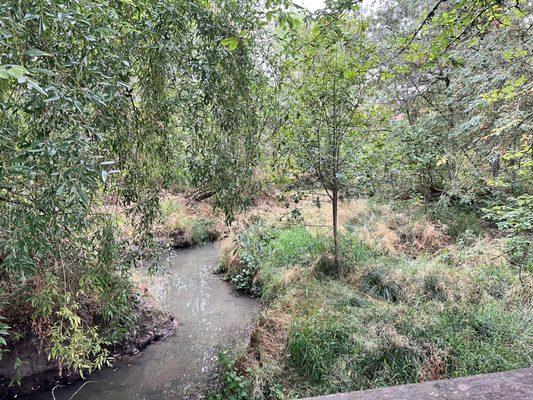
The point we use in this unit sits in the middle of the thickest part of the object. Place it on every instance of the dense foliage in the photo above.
(95, 98)
(424, 100)
(105, 103)
(427, 105)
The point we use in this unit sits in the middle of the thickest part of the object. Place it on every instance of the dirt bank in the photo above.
(38, 373)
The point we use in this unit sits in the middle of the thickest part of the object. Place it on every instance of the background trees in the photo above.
(460, 90)
(454, 146)
(455, 77)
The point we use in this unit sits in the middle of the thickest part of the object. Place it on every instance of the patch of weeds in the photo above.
(387, 364)
(381, 319)
(232, 384)
(354, 301)
(485, 339)
(253, 249)
(16, 375)
(243, 280)
(169, 205)
(200, 230)
(276, 392)
(461, 222)
(4, 334)
(295, 245)
(354, 252)
(433, 288)
(376, 284)
(494, 281)
(313, 346)
(325, 266)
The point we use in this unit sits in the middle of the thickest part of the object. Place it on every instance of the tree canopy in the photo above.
(109, 102)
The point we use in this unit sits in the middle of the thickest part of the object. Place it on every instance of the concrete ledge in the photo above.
(512, 385)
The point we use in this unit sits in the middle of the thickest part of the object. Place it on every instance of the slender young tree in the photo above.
(328, 83)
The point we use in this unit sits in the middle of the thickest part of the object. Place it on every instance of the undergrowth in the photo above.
(186, 226)
(418, 307)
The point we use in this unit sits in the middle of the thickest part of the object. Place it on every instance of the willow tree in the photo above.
(90, 97)
(328, 84)
(222, 118)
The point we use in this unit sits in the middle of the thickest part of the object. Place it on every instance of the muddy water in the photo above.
(210, 317)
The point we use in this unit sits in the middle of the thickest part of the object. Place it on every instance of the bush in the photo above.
(200, 230)
(232, 384)
(252, 250)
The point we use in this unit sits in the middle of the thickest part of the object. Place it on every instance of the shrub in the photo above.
(232, 384)
(252, 250)
(200, 230)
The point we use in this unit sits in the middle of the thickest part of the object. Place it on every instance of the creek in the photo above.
(210, 317)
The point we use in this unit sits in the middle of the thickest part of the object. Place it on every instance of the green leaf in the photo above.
(231, 43)
(349, 74)
(83, 195)
(15, 71)
(42, 71)
(32, 85)
(36, 53)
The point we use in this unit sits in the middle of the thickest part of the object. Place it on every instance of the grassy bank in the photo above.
(412, 300)
(187, 223)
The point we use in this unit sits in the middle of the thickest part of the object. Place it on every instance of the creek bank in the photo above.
(182, 239)
(37, 373)
(184, 365)
(179, 228)
(407, 303)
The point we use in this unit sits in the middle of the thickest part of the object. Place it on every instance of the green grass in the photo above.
(288, 248)
(381, 345)
(314, 345)
(294, 245)
(378, 320)
(460, 222)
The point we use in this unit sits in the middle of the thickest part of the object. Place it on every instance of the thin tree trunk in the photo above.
(335, 195)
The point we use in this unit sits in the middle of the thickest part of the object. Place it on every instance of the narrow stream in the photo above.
(210, 317)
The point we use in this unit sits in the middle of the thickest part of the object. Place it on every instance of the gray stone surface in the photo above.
(512, 385)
